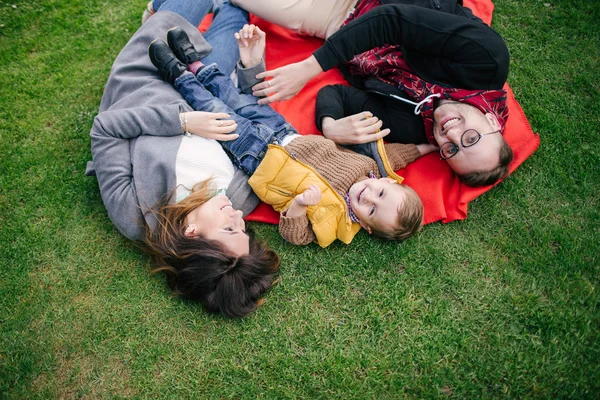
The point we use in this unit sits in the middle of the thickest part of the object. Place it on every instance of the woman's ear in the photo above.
(190, 231)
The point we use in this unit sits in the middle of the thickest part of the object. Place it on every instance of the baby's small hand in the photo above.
(252, 42)
(310, 197)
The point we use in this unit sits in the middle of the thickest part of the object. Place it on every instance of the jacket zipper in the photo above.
(282, 192)
(313, 170)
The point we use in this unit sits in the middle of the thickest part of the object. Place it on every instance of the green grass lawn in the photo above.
(505, 304)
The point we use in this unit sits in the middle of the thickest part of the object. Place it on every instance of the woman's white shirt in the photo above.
(199, 159)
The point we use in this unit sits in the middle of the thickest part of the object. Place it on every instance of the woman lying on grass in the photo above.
(150, 148)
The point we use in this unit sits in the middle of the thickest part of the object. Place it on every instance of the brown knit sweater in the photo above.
(341, 168)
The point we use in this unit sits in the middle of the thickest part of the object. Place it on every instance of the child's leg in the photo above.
(192, 10)
(245, 105)
(227, 20)
(250, 147)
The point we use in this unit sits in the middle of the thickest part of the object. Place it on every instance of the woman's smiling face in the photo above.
(217, 220)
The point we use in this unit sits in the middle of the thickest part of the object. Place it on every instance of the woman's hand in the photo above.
(354, 129)
(285, 82)
(210, 125)
(251, 41)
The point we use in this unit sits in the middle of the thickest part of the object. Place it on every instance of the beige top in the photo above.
(320, 18)
(199, 159)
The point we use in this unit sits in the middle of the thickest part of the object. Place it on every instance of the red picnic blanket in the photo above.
(444, 197)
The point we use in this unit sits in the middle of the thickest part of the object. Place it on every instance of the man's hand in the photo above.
(355, 129)
(285, 82)
(252, 42)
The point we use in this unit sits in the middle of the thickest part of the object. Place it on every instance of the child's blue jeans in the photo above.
(227, 20)
(257, 125)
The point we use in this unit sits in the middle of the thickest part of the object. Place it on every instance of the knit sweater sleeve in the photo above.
(296, 230)
(400, 155)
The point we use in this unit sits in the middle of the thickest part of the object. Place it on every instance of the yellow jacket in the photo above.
(280, 177)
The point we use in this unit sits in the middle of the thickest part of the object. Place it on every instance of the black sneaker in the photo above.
(180, 43)
(169, 67)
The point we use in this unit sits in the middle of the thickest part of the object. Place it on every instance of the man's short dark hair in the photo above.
(486, 178)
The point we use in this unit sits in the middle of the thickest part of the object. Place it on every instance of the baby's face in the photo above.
(376, 202)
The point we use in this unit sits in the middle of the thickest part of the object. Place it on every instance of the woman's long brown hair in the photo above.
(203, 270)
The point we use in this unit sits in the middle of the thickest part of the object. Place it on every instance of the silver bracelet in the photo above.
(184, 124)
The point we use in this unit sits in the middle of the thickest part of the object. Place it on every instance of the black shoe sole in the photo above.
(161, 56)
(182, 47)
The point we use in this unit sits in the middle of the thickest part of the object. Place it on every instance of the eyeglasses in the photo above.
(469, 138)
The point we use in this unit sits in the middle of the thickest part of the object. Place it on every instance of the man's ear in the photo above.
(365, 227)
(493, 120)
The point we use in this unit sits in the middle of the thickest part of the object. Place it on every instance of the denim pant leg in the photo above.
(244, 105)
(227, 20)
(192, 10)
(250, 147)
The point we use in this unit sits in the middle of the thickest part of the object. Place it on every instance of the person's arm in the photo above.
(339, 115)
(453, 48)
(251, 42)
(286, 81)
(400, 155)
(247, 76)
(448, 45)
(110, 136)
(296, 230)
(169, 120)
(129, 123)
(294, 225)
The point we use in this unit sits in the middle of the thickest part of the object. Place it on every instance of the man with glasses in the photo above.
(471, 142)
(426, 71)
